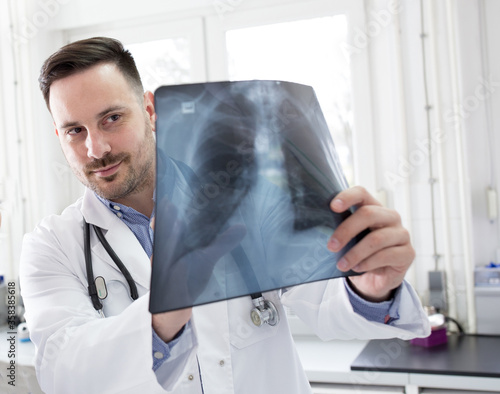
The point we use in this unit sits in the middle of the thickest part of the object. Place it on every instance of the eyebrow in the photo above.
(110, 109)
(68, 125)
(98, 116)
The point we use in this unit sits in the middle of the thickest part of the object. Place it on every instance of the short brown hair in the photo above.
(84, 54)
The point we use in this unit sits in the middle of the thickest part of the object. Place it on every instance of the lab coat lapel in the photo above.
(119, 236)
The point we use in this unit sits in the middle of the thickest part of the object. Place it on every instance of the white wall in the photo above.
(484, 135)
(462, 90)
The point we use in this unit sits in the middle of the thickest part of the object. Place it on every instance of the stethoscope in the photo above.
(97, 290)
(263, 312)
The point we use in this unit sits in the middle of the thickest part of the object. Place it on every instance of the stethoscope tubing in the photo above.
(90, 271)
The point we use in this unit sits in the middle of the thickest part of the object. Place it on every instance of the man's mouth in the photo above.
(107, 171)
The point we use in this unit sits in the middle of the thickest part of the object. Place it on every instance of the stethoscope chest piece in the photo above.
(264, 312)
(100, 284)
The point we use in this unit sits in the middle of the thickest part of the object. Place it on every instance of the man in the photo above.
(105, 125)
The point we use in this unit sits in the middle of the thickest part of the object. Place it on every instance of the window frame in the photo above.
(364, 159)
(191, 28)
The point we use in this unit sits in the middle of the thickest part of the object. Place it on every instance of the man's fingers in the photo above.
(396, 258)
(384, 254)
(384, 271)
(365, 217)
(371, 244)
(354, 196)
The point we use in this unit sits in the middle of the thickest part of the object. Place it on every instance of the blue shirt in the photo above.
(139, 224)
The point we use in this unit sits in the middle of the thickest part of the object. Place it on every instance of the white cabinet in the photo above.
(488, 310)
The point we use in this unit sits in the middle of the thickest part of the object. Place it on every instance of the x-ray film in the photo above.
(245, 174)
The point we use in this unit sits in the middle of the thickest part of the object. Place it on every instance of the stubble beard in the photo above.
(137, 178)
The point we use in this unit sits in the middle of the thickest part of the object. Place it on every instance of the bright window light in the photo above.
(308, 52)
(162, 62)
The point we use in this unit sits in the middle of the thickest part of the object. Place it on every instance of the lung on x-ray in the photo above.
(245, 174)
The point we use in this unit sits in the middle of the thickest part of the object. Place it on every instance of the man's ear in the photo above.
(149, 107)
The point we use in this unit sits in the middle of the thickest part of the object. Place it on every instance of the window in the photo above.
(305, 43)
(165, 53)
(163, 62)
(306, 51)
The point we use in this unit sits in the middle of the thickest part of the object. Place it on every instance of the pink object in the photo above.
(437, 337)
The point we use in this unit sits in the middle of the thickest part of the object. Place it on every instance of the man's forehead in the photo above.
(90, 92)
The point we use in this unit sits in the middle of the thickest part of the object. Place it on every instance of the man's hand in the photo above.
(186, 272)
(168, 324)
(384, 254)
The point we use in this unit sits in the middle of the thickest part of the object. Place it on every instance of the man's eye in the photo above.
(113, 118)
(74, 131)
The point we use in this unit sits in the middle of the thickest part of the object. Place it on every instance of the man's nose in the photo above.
(97, 144)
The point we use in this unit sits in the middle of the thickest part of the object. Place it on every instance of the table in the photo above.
(462, 355)
(397, 363)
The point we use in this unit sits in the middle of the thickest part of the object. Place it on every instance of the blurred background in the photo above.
(410, 89)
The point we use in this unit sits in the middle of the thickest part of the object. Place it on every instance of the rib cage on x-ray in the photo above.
(251, 165)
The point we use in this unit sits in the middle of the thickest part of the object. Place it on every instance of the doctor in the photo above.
(105, 125)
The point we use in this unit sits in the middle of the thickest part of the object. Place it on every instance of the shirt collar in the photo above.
(125, 211)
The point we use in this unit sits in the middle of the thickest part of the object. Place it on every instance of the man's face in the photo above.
(105, 131)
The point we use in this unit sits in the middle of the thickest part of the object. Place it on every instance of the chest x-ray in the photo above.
(246, 172)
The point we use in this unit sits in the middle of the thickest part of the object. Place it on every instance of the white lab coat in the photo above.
(77, 351)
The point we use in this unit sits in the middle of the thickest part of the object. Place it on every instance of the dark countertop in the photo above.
(465, 355)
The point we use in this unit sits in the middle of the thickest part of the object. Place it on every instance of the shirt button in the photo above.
(119, 214)
(221, 363)
(190, 377)
(158, 355)
(116, 207)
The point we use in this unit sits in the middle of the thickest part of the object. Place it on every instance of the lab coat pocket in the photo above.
(243, 332)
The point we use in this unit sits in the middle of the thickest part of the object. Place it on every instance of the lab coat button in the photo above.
(221, 363)
(190, 377)
(158, 355)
